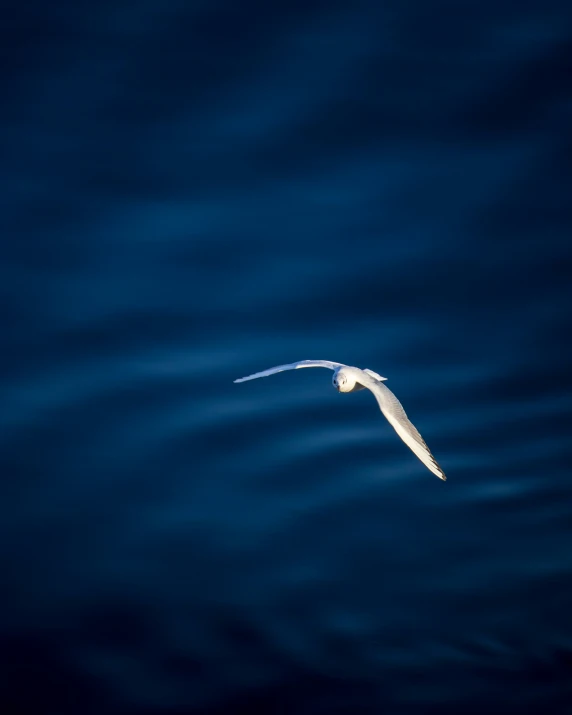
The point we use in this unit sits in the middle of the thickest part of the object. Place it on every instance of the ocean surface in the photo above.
(195, 191)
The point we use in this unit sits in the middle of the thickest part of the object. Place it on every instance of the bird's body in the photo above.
(350, 379)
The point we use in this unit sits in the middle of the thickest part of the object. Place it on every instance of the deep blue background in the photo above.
(193, 191)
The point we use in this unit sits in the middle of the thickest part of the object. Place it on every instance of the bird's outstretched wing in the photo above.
(393, 410)
(292, 366)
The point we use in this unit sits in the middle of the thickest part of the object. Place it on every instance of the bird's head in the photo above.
(343, 381)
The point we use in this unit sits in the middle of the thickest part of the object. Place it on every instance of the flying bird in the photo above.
(352, 379)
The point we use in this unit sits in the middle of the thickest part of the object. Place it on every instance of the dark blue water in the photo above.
(194, 191)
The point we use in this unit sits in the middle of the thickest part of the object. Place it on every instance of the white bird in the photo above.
(352, 379)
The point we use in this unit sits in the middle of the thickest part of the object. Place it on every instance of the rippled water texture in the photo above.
(196, 191)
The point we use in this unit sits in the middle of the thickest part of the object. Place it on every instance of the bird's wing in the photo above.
(375, 375)
(292, 366)
(393, 410)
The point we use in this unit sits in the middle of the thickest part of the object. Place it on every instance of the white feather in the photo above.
(397, 418)
(291, 366)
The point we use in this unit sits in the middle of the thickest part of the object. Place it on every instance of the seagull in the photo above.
(352, 379)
